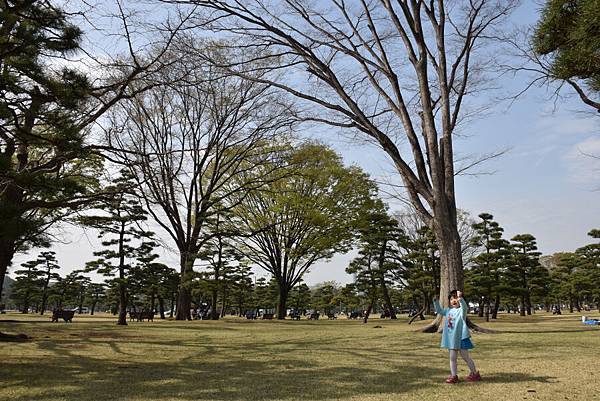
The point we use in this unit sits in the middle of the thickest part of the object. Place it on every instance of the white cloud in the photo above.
(582, 161)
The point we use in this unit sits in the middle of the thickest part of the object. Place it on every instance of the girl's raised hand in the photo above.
(459, 294)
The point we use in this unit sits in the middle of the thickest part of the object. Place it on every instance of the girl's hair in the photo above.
(453, 294)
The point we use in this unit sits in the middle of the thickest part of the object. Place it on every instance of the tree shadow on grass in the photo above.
(243, 372)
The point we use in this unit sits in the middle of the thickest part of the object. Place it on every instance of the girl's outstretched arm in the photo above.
(463, 306)
(438, 308)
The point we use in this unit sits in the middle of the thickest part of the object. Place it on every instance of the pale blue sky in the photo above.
(544, 185)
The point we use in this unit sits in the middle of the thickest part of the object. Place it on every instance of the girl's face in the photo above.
(454, 302)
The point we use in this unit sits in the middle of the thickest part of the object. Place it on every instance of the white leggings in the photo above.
(464, 353)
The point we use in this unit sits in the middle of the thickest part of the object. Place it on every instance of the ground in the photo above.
(542, 357)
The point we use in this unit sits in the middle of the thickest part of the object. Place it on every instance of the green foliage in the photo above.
(422, 268)
(307, 212)
(569, 31)
(484, 278)
(44, 168)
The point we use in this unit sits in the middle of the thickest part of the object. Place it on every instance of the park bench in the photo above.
(66, 315)
(355, 315)
(251, 315)
(268, 316)
(139, 316)
(331, 316)
(295, 315)
(314, 316)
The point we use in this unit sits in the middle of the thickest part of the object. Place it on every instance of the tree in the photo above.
(387, 70)
(380, 239)
(525, 274)
(194, 141)
(49, 159)
(299, 297)
(96, 292)
(307, 215)
(118, 226)
(366, 280)
(241, 287)
(566, 46)
(421, 274)
(485, 277)
(324, 297)
(220, 259)
(590, 270)
(28, 283)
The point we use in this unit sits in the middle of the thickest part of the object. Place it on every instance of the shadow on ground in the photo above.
(208, 375)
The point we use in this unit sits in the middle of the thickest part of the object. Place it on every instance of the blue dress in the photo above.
(455, 334)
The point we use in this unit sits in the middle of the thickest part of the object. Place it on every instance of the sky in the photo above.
(545, 184)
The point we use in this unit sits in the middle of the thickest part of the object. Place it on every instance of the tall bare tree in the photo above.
(188, 139)
(398, 72)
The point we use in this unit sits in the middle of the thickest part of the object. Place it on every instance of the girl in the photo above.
(456, 337)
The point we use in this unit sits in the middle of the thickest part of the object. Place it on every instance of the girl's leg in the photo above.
(465, 355)
(453, 358)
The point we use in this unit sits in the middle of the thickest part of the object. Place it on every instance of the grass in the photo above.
(542, 357)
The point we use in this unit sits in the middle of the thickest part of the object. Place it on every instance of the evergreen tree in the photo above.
(49, 263)
(27, 287)
(46, 171)
(421, 271)
(96, 293)
(568, 34)
(118, 227)
(484, 277)
(300, 297)
(380, 240)
(525, 275)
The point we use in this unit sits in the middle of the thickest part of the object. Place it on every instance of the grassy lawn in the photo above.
(542, 357)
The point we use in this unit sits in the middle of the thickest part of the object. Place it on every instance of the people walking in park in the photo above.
(456, 337)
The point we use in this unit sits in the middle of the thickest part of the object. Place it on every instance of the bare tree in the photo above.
(395, 71)
(186, 141)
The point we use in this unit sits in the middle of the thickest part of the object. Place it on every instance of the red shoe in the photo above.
(474, 377)
(452, 379)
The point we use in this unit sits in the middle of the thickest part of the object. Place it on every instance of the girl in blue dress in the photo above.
(455, 336)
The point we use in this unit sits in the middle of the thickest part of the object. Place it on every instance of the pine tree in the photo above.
(380, 239)
(525, 275)
(421, 272)
(484, 277)
(28, 284)
(118, 227)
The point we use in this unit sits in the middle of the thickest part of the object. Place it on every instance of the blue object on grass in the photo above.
(592, 321)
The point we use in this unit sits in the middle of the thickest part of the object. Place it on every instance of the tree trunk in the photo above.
(184, 299)
(528, 303)
(386, 294)
(481, 306)
(496, 307)
(427, 304)
(152, 302)
(122, 305)
(224, 302)
(282, 301)
(451, 272)
(7, 251)
(368, 311)
(93, 308)
(522, 308)
(487, 309)
(25, 303)
(161, 307)
(172, 311)
(213, 305)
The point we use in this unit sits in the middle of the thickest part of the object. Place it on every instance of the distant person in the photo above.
(456, 337)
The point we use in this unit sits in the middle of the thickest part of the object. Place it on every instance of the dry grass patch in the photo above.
(541, 357)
